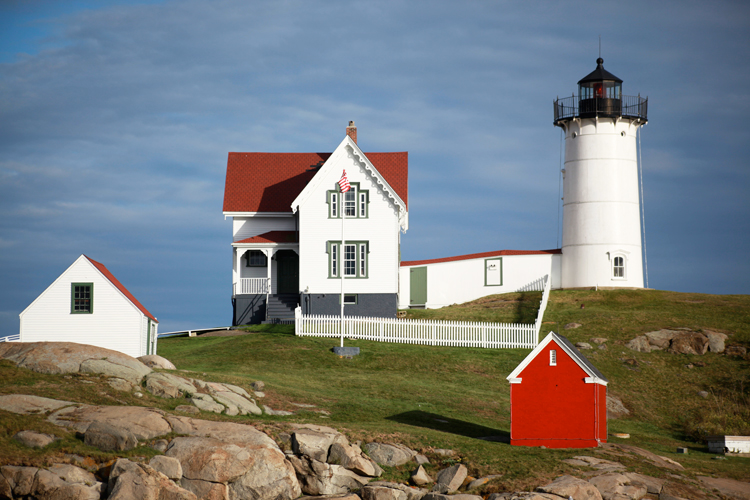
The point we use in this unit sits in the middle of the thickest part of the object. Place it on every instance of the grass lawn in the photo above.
(443, 397)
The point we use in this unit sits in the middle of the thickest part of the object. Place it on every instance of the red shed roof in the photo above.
(103, 269)
(269, 182)
(481, 255)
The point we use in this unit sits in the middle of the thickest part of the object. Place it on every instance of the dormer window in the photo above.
(354, 202)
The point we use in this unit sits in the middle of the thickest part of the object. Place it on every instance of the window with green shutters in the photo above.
(354, 202)
(352, 259)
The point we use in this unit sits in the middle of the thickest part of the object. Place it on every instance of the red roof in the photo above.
(269, 182)
(497, 253)
(272, 237)
(103, 269)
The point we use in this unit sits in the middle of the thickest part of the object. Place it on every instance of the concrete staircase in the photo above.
(281, 307)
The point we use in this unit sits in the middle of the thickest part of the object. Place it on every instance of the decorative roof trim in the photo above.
(350, 147)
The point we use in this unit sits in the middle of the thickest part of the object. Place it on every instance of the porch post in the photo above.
(238, 266)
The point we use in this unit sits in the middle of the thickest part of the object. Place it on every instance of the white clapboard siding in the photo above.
(380, 229)
(247, 227)
(116, 323)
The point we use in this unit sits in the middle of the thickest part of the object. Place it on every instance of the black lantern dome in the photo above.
(600, 96)
(599, 93)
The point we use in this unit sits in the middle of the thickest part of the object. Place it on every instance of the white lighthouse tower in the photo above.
(601, 244)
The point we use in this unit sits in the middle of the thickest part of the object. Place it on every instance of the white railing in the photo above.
(11, 338)
(543, 304)
(253, 286)
(535, 286)
(426, 332)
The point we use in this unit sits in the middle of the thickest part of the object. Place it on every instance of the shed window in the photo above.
(552, 357)
(81, 298)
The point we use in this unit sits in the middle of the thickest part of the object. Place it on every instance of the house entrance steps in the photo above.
(281, 307)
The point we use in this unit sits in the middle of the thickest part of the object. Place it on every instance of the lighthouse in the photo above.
(601, 242)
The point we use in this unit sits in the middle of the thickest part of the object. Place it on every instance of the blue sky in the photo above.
(116, 119)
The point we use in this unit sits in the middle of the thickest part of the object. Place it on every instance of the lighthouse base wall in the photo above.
(607, 266)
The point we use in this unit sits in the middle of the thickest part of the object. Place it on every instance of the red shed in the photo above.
(558, 399)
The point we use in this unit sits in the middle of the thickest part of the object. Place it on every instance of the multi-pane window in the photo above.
(352, 259)
(618, 267)
(82, 298)
(255, 258)
(352, 203)
(553, 357)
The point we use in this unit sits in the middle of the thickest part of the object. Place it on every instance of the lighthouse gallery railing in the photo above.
(630, 107)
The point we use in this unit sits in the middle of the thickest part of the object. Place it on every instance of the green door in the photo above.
(287, 272)
(418, 286)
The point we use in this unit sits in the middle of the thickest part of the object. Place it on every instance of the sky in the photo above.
(116, 118)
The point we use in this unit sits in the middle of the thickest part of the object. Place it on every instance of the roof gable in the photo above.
(270, 182)
(569, 349)
(107, 274)
(349, 148)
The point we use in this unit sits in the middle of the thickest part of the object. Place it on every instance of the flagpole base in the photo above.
(346, 351)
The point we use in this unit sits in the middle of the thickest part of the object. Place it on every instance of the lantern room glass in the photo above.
(600, 90)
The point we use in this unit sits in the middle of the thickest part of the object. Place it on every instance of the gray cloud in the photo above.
(116, 123)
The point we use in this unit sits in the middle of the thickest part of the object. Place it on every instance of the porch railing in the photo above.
(11, 338)
(254, 286)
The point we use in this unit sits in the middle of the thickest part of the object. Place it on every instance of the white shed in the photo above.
(88, 305)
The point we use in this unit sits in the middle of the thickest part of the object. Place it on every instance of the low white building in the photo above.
(88, 305)
(454, 280)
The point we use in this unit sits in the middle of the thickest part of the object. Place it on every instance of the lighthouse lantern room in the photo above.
(601, 244)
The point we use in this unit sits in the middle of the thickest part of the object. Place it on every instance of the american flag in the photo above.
(344, 183)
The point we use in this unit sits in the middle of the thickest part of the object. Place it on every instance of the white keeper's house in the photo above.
(86, 304)
(287, 223)
(287, 246)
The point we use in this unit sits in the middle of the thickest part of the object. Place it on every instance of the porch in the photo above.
(265, 285)
(266, 264)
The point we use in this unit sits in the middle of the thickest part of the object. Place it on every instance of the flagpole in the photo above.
(342, 253)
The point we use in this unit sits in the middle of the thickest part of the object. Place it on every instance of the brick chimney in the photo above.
(351, 131)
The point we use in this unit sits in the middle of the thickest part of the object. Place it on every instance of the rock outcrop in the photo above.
(69, 357)
(682, 341)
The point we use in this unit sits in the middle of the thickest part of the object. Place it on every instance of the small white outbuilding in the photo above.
(88, 305)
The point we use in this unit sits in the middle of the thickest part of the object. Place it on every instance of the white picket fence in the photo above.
(11, 338)
(426, 332)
